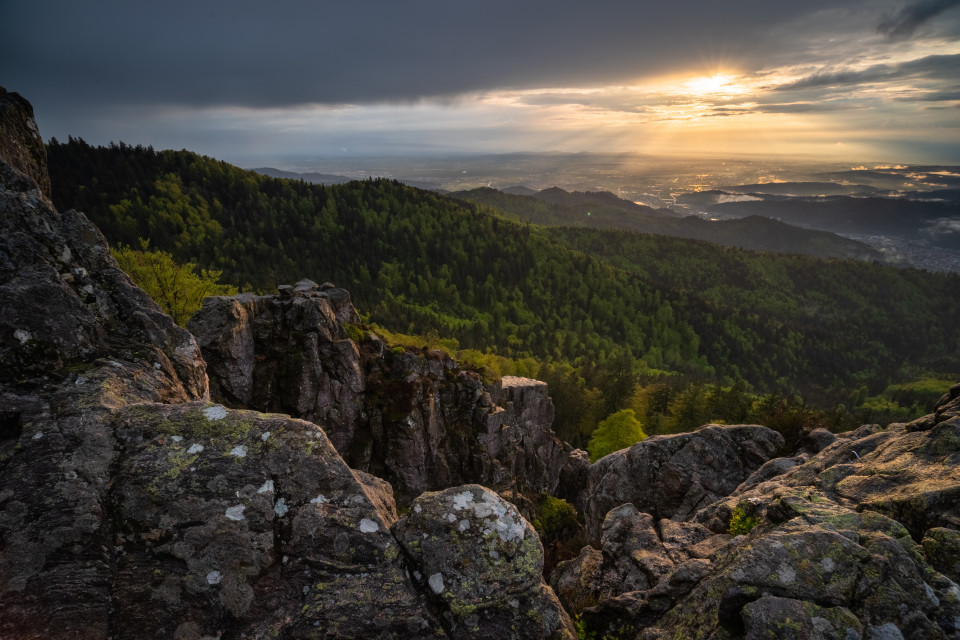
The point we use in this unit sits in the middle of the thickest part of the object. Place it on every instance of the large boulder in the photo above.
(674, 476)
(481, 564)
(250, 524)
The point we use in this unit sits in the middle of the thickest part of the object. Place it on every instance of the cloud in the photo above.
(930, 67)
(947, 95)
(912, 16)
(803, 107)
(299, 52)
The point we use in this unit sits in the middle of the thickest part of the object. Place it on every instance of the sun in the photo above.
(718, 83)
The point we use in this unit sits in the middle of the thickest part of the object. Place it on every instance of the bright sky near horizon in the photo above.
(242, 80)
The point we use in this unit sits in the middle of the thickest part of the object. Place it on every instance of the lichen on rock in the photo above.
(485, 578)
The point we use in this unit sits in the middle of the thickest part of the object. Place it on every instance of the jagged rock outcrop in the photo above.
(674, 476)
(132, 507)
(499, 592)
(21, 146)
(287, 353)
(858, 541)
(77, 341)
(636, 555)
(413, 417)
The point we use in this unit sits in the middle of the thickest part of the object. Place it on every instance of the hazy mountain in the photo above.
(556, 207)
(314, 178)
(937, 222)
(520, 190)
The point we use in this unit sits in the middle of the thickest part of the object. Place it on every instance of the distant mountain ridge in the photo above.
(331, 178)
(604, 210)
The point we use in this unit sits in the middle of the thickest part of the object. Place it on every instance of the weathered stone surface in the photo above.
(577, 582)
(77, 341)
(631, 558)
(941, 547)
(673, 476)
(236, 522)
(787, 619)
(480, 563)
(854, 571)
(66, 304)
(816, 440)
(835, 533)
(520, 436)
(911, 476)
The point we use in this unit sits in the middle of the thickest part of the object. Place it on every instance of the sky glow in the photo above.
(872, 81)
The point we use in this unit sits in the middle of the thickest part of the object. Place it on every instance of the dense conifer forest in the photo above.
(682, 331)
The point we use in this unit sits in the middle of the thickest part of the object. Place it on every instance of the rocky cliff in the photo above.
(412, 417)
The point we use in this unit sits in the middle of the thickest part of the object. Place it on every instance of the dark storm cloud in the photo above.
(295, 52)
(912, 16)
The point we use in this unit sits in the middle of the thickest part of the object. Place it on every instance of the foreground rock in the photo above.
(482, 564)
(859, 541)
(243, 524)
(413, 417)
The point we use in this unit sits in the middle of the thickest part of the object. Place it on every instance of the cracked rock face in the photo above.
(285, 354)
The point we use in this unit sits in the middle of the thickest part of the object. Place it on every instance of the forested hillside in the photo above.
(611, 305)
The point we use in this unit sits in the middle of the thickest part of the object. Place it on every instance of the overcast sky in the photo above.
(246, 81)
